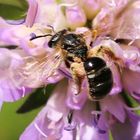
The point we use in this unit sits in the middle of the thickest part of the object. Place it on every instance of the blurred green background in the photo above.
(13, 124)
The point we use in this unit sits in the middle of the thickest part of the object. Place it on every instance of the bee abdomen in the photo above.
(99, 78)
(101, 84)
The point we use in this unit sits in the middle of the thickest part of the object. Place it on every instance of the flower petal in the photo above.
(131, 80)
(115, 106)
(127, 23)
(129, 130)
(91, 133)
(11, 87)
(86, 126)
(75, 17)
(76, 101)
(48, 123)
(68, 135)
(32, 12)
(131, 56)
(117, 85)
(12, 34)
(92, 7)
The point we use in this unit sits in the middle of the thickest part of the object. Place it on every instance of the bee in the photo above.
(72, 49)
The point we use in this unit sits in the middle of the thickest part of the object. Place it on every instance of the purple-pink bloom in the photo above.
(111, 32)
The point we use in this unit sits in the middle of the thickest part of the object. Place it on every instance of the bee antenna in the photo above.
(50, 26)
(33, 36)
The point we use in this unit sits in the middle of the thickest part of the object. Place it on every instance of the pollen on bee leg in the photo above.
(78, 74)
(94, 34)
(92, 52)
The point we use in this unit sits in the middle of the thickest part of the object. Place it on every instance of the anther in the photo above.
(70, 116)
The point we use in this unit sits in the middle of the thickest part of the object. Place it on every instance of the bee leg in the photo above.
(77, 75)
(78, 82)
(94, 34)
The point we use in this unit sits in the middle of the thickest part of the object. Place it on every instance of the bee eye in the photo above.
(56, 38)
(50, 44)
(94, 63)
(53, 41)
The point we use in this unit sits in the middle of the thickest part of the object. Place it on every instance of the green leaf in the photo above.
(37, 99)
(130, 101)
(110, 136)
(13, 12)
(17, 3)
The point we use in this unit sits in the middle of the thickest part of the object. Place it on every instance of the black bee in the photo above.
(98, 74)
(72, 49)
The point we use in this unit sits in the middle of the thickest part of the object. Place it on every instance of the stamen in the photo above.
(101, 131)
(95, 122)
(33, 35)
(136, 95)
(132, 108)
(50, 26)
(97, 106)
(15, 22)
(44, 89)
(95, 119)
(40, 131)
(68, 4)
(70, 125)
(23, 91)
(95, 112)
(70, 115)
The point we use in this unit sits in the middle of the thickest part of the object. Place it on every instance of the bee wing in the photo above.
(36, 71)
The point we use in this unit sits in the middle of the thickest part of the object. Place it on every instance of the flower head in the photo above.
(58, 44)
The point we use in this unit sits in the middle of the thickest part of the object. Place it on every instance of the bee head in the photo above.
(56, 38)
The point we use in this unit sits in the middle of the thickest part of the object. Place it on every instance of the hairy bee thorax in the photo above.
(73, 44)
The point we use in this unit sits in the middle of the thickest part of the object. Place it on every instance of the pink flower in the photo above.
(111, 33)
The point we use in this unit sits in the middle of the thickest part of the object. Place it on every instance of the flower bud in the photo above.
(75, 17)
(92, 7)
